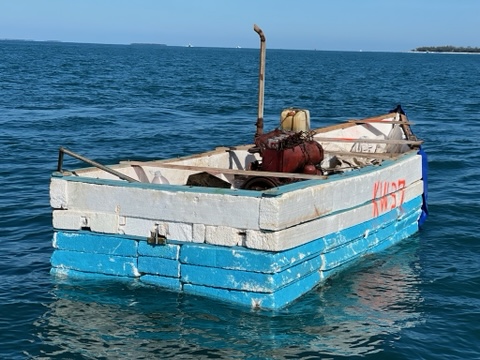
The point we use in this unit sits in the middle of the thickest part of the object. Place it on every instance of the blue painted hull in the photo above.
(253, 278)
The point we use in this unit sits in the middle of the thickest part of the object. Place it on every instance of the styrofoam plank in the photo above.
(247, 280)
(162, 281)
(274, 301)
(96, 244)
(305, 204)
(300, 234)
(58, 193)
(62, 272)
(97, 263)
(158, 266)
(135, 226)
(224, 235)
(68, 220)
(76, 220)
(167, 251)
(161, 205)
(198, 233)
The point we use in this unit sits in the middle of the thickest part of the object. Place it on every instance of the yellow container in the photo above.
(295, 120)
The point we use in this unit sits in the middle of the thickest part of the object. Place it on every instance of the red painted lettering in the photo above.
(387, 195)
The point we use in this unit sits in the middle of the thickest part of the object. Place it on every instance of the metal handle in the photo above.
(62, 151)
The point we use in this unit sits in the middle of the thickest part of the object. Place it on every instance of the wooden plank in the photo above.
(378, 117)
(372, 141)
(353, 122)
(379, 121)
(342, 125)
(214, 170)
(406, 128)
(365, 154)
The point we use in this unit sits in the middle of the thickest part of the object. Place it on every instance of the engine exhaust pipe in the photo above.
(261, 80)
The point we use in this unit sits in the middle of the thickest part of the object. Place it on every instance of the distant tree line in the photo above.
(448, 48)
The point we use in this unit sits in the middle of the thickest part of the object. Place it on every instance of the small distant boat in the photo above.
(256, 225)
(189, 45)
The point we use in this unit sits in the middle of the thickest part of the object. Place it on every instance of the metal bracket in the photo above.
(156, 238)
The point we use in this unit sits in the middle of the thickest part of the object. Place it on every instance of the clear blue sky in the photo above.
(370, 25)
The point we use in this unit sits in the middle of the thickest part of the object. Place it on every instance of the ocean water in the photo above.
(417, 300)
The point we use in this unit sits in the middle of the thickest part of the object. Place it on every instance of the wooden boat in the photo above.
(256, 225)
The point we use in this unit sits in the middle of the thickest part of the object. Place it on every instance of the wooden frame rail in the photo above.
(214, 170)
(369, 141)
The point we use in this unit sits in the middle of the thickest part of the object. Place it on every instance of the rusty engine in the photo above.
(287, 152)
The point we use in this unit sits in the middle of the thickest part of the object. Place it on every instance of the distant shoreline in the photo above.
(422, 49)
(448, 49)
(149, 44)
(75, 42)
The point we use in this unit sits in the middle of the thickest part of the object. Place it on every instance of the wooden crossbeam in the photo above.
(380, 122)
(372, 141)
(214, 170)
(365, 154)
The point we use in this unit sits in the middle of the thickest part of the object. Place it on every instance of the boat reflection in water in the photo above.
(369, 306)
(362, 311)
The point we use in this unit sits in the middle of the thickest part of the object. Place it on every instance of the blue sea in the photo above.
(417, 300)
